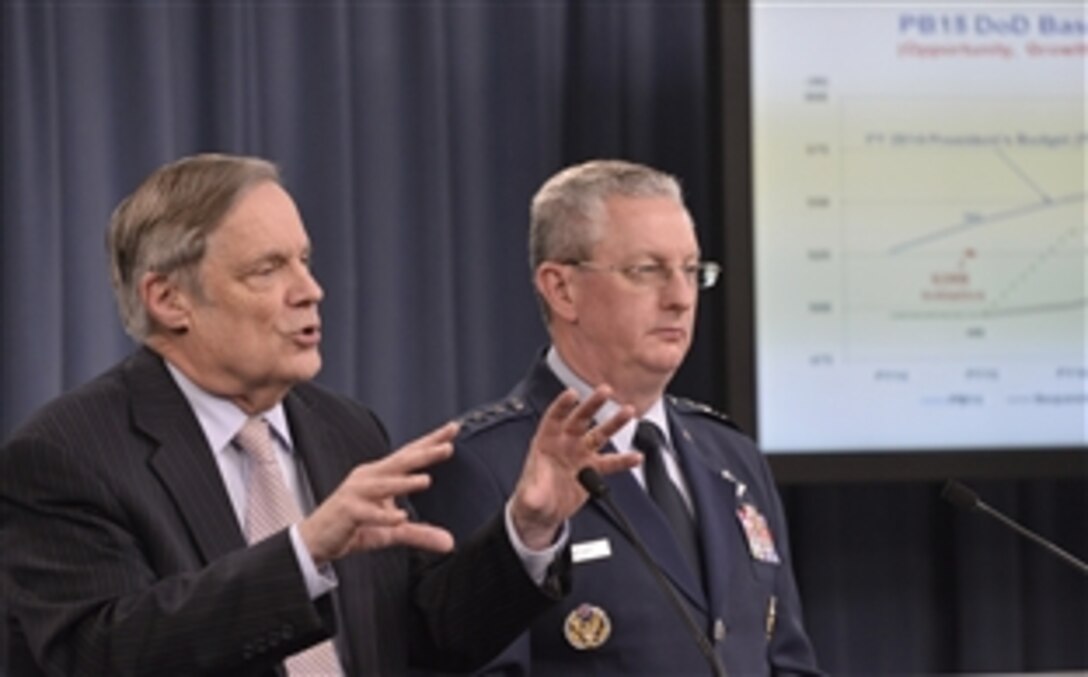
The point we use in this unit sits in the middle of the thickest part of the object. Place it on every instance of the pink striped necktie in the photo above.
(271, 508)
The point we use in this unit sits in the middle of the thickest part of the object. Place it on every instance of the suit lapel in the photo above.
(326, 464)
(182, 460)
(715, 499)
(321, 456)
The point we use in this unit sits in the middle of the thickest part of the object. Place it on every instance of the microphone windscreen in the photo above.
(959, 495)
(591, 481)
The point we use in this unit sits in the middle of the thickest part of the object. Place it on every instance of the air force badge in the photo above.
(587, 627)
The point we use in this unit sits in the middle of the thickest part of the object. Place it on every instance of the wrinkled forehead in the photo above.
(264, 218)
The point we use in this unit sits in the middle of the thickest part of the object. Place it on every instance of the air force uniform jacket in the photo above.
(617, 620)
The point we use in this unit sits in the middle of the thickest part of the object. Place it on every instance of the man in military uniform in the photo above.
(617, 269)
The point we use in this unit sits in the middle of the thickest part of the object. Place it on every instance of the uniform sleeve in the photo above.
(790, 651)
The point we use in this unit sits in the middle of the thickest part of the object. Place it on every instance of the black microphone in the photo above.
(591, 481)
(962, 497)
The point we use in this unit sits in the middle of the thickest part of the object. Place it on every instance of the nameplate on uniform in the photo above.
(587, 551)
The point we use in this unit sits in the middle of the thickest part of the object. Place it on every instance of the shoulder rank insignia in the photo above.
(484, 416)
(684, 404)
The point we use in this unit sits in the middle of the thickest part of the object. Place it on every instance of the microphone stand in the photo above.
(591, 481)
(962, 497)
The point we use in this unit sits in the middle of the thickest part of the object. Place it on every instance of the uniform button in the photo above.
(719, 630)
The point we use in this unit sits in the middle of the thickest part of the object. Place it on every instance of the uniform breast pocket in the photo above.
(764, 573)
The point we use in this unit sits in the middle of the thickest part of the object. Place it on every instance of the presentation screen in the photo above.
(919, 215)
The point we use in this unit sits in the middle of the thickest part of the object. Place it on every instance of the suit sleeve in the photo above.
(466, 497)
(79, 580)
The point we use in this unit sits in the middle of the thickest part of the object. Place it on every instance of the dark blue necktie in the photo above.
(652, 443)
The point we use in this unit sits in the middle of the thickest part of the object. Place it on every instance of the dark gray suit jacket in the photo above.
(120, 552)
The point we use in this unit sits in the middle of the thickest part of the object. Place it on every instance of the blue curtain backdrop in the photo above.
(413, 135)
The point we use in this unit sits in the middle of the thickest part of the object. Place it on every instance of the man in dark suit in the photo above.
(201, 509)
(617, 270)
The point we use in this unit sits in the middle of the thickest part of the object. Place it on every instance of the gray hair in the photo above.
(566, 214)
(163, 226)
(568, 211)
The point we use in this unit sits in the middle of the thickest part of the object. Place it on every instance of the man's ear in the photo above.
(554, 284)
(166, 303)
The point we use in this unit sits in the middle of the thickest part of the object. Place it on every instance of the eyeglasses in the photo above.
(703, 274)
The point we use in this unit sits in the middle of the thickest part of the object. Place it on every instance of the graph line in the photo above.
(991, 313)
(1021, 173)
(1035, 266)
(987, 220)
